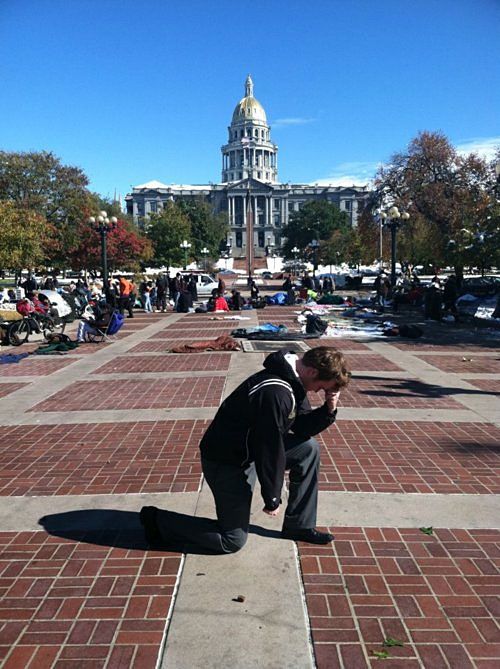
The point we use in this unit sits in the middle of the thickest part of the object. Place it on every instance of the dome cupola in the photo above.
(249, 152)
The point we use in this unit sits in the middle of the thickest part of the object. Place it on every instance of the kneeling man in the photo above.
(261, 429)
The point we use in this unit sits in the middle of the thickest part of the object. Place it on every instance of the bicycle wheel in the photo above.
(18, 332)
(47, 327)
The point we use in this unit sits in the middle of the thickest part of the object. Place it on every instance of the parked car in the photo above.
(205, 284)
(481, 286)
(267, 275)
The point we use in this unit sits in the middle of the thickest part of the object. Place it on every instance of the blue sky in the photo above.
(135, 91)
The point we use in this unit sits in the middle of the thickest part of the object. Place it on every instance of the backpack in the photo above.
(410, 331)
(315, 324)
(25, 307)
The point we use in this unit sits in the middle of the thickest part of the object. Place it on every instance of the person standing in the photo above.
(161, 292)
(264, 427)
(450, 294)
(193, 288)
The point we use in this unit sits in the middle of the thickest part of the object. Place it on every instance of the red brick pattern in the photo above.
(184, 326)
(464, 364)
(371, 363)
(7, 388)
(195, 332)
(67, 604)
(412, 457)
(175, 393)
(420, 346)
(36, 366)
(210, 362)
(340, 343)
(437, 595)
(159, 345)
(391, 393)
(488, 385)
(100, 458)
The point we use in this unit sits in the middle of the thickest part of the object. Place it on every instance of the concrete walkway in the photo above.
(86, 442)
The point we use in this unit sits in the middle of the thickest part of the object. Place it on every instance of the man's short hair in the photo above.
(330, 363)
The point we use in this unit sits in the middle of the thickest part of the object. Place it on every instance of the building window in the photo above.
(153, 207)
(259, 175)
(240, 175)
(347, 205)
(276, 219)
(276, 204)
(239, 238)
(261, 238)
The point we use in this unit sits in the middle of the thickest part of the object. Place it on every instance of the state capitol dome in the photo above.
(249, 107)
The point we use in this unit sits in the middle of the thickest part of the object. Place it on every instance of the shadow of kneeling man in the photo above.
(123, 529)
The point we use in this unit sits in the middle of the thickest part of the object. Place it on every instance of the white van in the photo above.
(205, 284)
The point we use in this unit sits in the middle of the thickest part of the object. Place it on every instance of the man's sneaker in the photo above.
(309, 535)
(147, 517)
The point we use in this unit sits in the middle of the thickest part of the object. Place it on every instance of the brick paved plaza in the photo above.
(88, 438)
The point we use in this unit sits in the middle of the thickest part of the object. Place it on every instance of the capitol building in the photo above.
(250, 193)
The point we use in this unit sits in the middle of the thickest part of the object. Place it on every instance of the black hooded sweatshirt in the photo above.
(252, 421)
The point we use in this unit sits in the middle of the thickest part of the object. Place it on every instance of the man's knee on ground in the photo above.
(233, 541)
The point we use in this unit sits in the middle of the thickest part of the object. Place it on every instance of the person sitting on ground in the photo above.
(254, 291)
(265, 427)
(96, 315)
(184, 302)
(287, 284)
(328, 285)
(220, 303)
(236, 300)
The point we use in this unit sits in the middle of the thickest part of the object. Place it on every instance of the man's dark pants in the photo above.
(232, 487)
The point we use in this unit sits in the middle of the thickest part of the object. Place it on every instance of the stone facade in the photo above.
(249, 185)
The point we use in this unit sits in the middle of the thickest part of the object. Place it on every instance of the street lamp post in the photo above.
(315, 246)
(394, 219)
(383, 217)
(185, 245)
(103, 225)
(205, 252)
(295, 252)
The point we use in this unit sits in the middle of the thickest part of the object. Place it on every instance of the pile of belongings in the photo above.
(59, 344)
(270, 332)
(222, 343)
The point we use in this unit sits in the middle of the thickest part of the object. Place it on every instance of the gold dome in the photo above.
(249, 107)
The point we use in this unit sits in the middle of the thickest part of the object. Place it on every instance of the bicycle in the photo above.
(19, 331)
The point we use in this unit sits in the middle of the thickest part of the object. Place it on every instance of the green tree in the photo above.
(166, 230)
(445, 194)
(39, 182)
(316, 220)
(22, 236)
(207, 229)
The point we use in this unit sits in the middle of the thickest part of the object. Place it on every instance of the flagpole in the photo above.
(249, 233)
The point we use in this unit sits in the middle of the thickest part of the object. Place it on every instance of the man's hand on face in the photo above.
(332, 399)
(274, 512)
